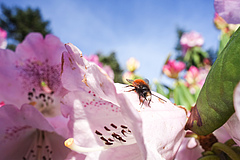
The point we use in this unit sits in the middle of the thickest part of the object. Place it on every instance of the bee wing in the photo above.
(130, 80)
(146, 80)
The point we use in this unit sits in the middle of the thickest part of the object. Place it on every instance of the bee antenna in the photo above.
(159, 97)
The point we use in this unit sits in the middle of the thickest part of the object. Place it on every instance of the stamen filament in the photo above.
(73, 146)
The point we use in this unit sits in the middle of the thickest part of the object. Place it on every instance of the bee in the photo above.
(142, 88)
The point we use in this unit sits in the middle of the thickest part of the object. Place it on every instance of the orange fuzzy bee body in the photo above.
(142, 88)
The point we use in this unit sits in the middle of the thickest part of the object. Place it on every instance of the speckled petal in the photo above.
(90, 115)
(17, 129)
(78, 73)
(160, 127)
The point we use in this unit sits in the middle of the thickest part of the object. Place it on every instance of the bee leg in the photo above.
(149, 103)
(142, 101)
(131, 90)
(129, 86)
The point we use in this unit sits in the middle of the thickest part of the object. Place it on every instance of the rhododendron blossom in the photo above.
(3, 36)
(172, 68)
(195, 77)
(31, 74)
(26, 134)
(229, 10)
(94, 58)
(132, 64)
(191, 39)
(222, 25)
(107, 122)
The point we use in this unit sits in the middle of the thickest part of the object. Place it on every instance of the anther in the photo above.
(123, 132)
(104, 139)
(98, 133)
(109, 143)
(124, 127)
(113, 125)
(107, 129)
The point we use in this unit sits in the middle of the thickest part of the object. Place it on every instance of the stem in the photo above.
(217, 147)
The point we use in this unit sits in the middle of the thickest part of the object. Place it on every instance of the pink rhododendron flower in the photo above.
(191, 39)
(94, 58)
(109, 71)
(3, 36)
(195, 77)
(222, 25)
(3, 33)
(229, 10)
(106, 122)
(132, 64)
(32, 74)
(172, 68)
(26, 134)
(233, 123)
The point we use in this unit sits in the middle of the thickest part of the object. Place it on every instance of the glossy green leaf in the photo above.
(215, 102)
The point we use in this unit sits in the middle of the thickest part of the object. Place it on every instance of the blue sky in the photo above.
(142, 29)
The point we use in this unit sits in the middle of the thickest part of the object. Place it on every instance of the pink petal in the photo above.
(3, 33)
(79, 74)
(233, 127)
(229, 10)
(94, 104)
(189, 153)
(35, 62)
(17, 127)
(35, 47)
(9, 79)
(236, 100)
(89, 113)
(166, 119)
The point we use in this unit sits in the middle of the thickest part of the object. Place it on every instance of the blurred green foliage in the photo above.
(19, 22)
(111, 60)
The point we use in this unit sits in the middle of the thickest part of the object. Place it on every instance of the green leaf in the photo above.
(182, 96)
(160, 89)
(215, 102)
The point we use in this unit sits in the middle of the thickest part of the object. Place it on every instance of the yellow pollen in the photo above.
(69, 142)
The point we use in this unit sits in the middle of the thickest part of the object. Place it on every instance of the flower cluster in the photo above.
(55, 94)
(190, 40)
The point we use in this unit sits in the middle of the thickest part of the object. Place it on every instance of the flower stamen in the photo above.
(110, 140)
